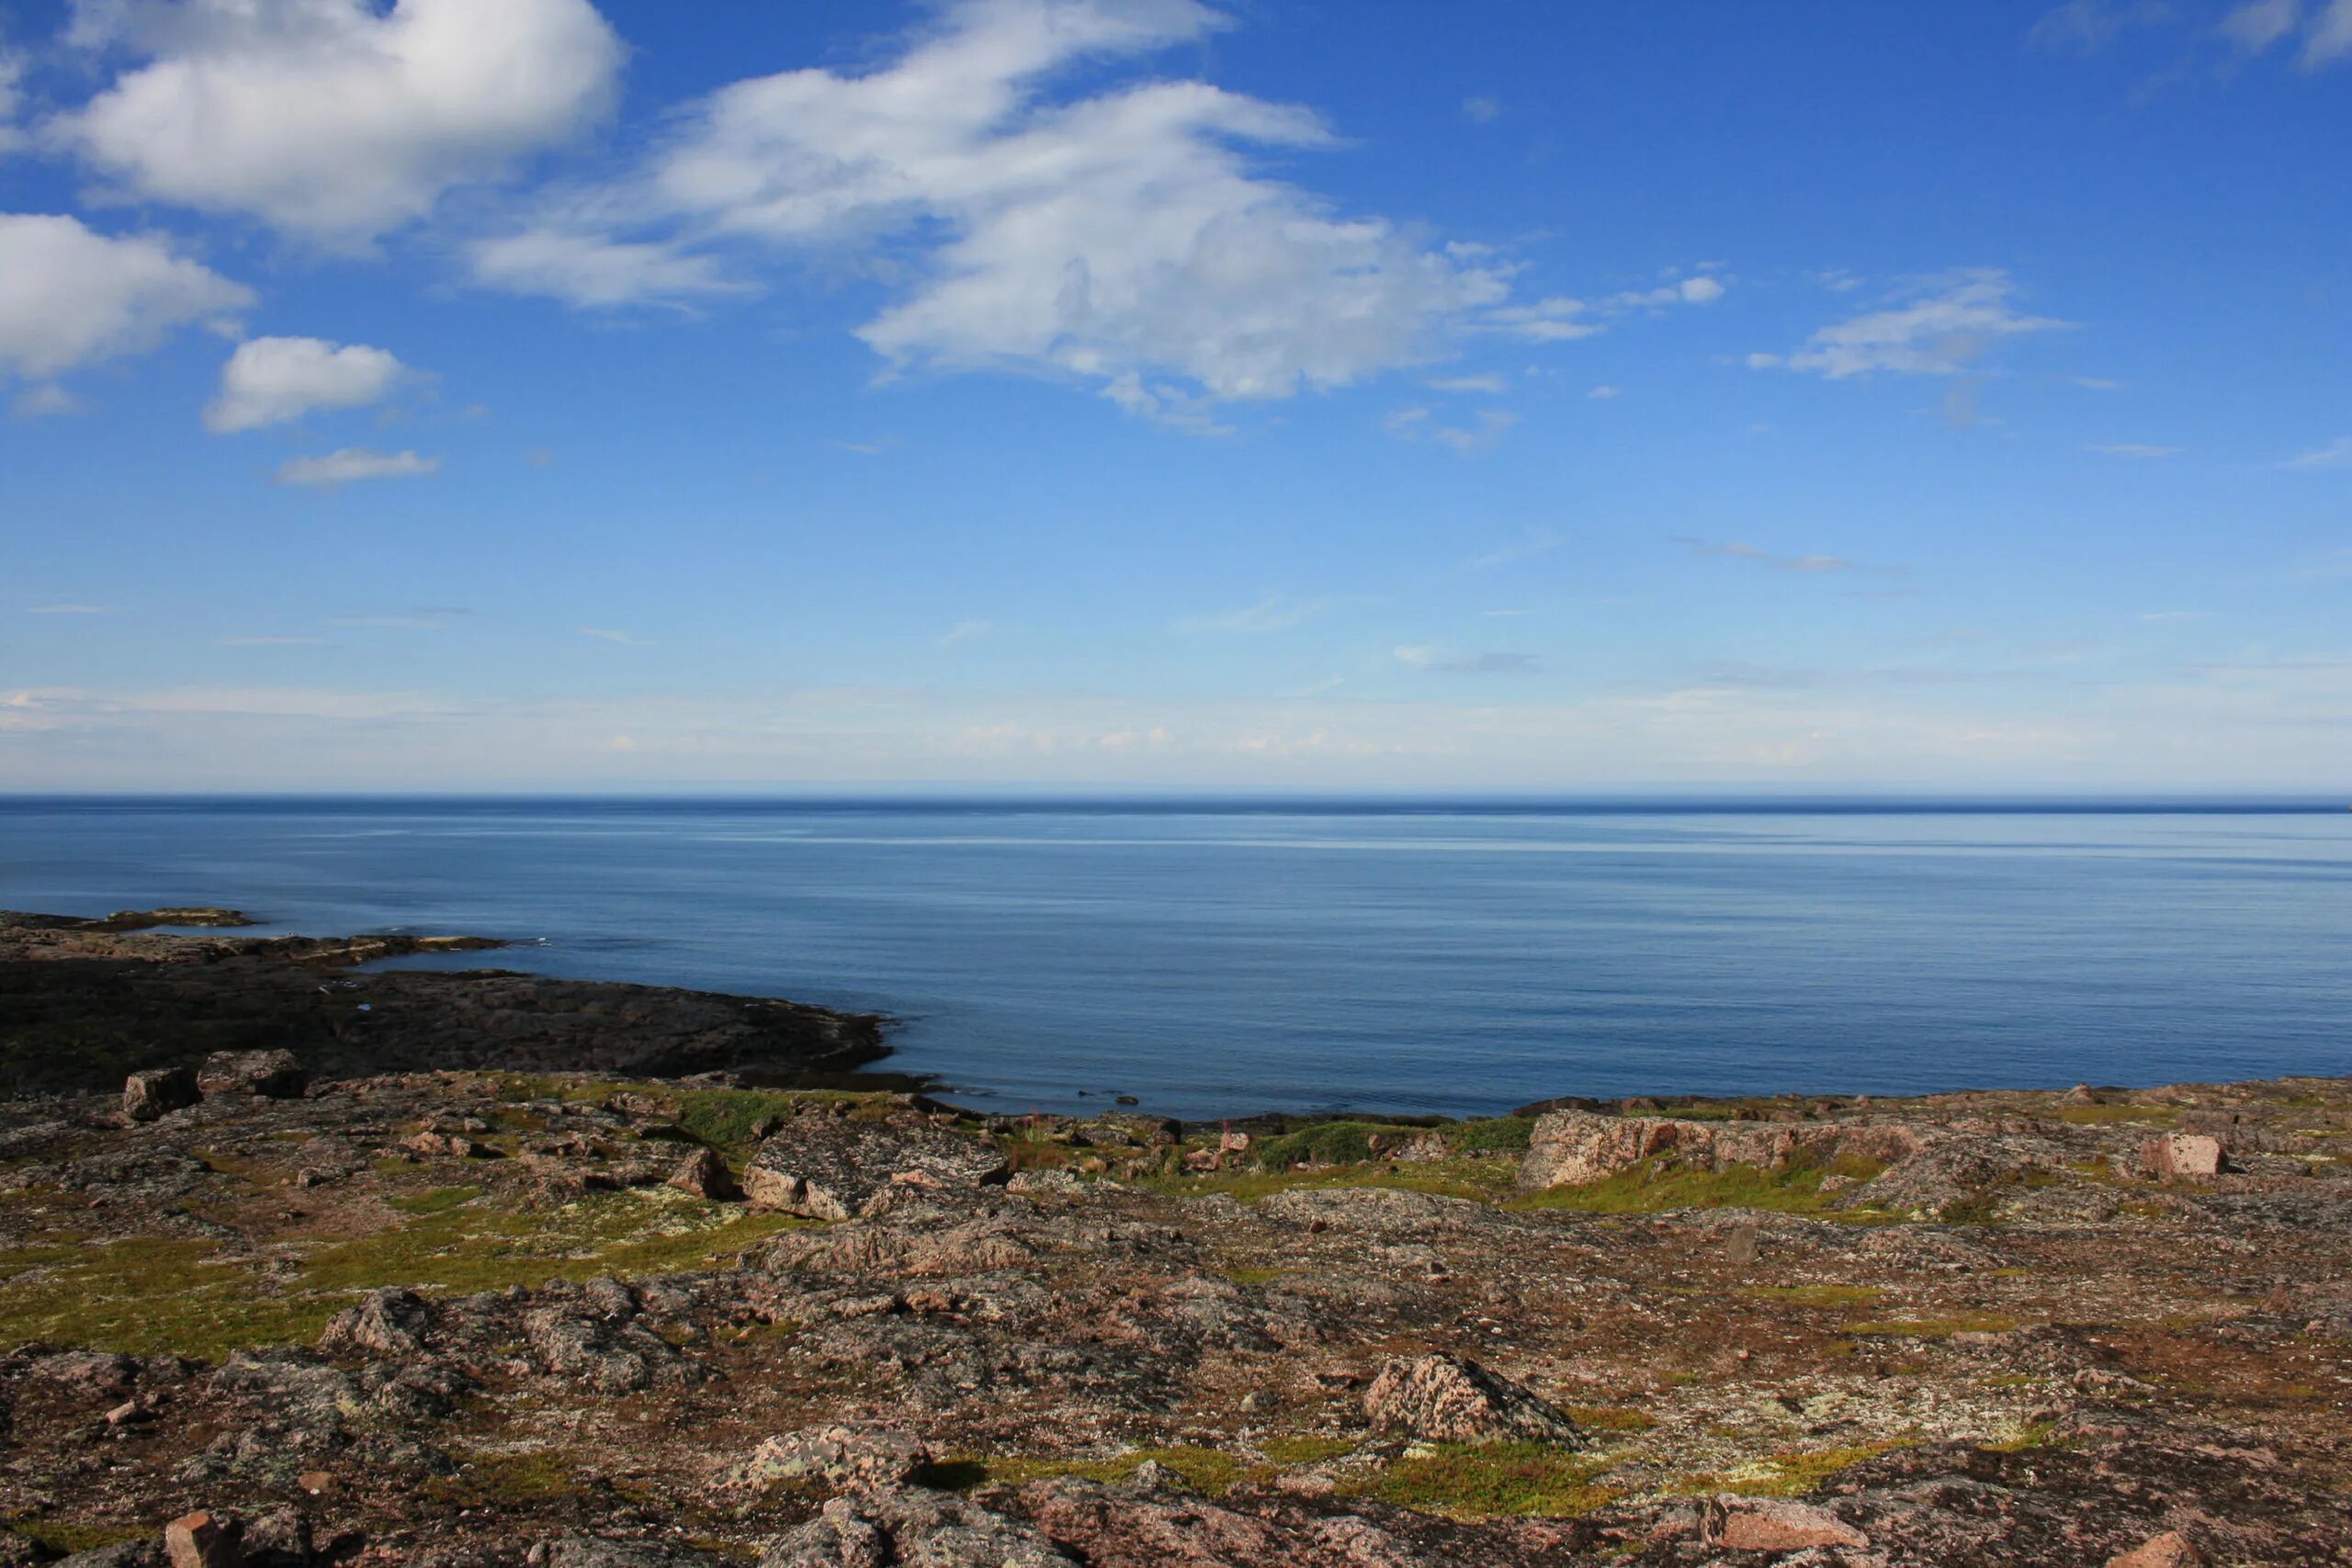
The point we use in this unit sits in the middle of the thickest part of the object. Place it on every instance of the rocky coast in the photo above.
(302, 1263)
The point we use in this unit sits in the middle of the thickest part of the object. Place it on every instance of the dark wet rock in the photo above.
(839, 1168)
(1448, 1399)
(149, 1096)
(274, 1075)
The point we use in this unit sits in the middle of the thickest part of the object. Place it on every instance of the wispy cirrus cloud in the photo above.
(1941, 327)
(613, 635)
(1438, 659)
(1736, 552)
(2134, 449)
(70, 609)
(353, 465)
(1274, 613)
(2336, 454)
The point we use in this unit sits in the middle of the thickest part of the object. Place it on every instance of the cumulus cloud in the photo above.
(1127, 239)
(70, 296)
(269, 380)
(1945, 325)
(335, 119)
(354, 463)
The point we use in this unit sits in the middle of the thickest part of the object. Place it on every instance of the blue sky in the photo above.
(1151, 394)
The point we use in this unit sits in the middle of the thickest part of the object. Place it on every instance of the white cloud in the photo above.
(1492, 424)
(1490, 383)
(1480, 109)
(964, 630)
(2326, 30)
(1125, 239)
(1531, 542)
(597, 270)
(2334, 455)
(1557, 320)
(269, 641)
(336, 119)
(2086, 27)
(607, 634)
(2330, 39)
(70, 296)
(2135, 449)
(1442, 661)
(1603, 394)
(269, 380)
(354, 463)
(2258, 24)
(48, 401)
(68, 610)
(11, 75)
(1946, 325)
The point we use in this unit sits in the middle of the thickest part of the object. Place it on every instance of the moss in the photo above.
(1211, 1470)
(1482, 1178)
(1791, 1474)
(1656, 1184)
(1254, 1276)
(1932, 1328)
(2032, 1435)
(1817, 1295)
(65, 1538)
(146, 1295)
(502, 1480)
(1324, 1143)
(1476, 1481)
(1610, 1418)
(1288, 1450)
(1499, 1134)
(2108, 1115)
(433, 1200)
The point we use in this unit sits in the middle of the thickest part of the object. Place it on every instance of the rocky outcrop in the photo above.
(159, 1092)
(843, 1456)
(1570, 1148)
(918, 1528)
(274, 1075)
(1446, 1399)
(838, 1167)
(2182, 1156)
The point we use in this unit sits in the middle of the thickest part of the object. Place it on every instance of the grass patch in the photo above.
(1255, 1276)
(1493, 1135)
(502, 1480)
(1478, 1481)
(1485, 1178)
(434, 1199)
(1656, 1184)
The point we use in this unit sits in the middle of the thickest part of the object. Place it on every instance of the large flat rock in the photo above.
(838, 1167)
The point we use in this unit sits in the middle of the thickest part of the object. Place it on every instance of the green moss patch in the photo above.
(1476, 1481)
(1656, 1185)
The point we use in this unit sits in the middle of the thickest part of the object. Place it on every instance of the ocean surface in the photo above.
(1220, 958)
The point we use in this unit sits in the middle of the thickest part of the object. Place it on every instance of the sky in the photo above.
(1140, 395)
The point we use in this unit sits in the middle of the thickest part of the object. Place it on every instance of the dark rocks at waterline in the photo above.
(87, 1002)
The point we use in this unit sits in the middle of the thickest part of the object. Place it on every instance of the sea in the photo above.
(1225, 957)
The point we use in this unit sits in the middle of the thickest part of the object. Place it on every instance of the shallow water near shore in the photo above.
(1461, 958)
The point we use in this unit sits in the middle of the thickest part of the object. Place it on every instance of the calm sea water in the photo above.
(1222, 959)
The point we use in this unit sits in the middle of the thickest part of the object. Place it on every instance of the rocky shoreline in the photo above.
(256, 1307)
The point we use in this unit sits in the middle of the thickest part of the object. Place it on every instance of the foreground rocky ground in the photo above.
(485, 1318)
